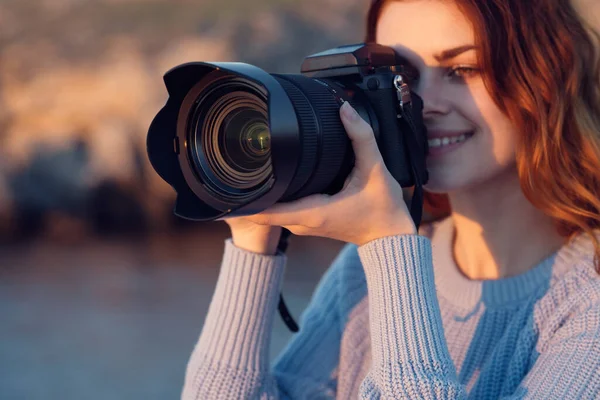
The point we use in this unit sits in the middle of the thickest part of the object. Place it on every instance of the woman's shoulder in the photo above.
(575, 261)
(573, 295)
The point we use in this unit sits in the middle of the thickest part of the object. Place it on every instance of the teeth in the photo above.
(440, 142)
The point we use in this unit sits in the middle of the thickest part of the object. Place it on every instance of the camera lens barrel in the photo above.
(233, 152)
(325, 144)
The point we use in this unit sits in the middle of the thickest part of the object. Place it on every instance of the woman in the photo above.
(499, 297)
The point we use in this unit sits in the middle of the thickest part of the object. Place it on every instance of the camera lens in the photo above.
(230, 140)
(240, 144)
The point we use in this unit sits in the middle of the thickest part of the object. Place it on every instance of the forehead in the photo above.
(424, 27)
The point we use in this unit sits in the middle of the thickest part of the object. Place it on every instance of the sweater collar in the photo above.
(466, 293)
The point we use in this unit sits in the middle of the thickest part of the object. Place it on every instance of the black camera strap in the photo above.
(405, 114)
(283, 310)
(416, 205)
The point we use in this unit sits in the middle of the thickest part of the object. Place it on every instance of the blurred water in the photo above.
(103, 320)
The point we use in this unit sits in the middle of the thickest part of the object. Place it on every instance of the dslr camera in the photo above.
(233, 140)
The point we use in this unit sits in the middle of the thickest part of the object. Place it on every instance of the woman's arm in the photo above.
(231, 358)
(410, 354)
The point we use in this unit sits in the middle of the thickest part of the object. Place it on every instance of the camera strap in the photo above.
(283, 310)
(405, 117)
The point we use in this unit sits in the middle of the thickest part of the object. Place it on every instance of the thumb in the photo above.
(363, 140)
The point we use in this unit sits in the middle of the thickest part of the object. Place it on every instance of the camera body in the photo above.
(364, 74)
(309, 150)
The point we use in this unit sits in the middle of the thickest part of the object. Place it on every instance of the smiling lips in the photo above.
(445, 138)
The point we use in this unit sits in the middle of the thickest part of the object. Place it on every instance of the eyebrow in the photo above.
(451, 53)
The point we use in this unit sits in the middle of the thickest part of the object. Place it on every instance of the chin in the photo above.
(445, 181)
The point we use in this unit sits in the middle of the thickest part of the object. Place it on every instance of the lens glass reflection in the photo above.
(232, 140)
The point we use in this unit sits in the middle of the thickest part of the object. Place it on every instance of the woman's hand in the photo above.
(369, 206)
(247, 235)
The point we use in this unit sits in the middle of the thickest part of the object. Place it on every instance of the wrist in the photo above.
(391, 231)
(264, 246)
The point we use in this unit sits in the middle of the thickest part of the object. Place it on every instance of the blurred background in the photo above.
(102, 291)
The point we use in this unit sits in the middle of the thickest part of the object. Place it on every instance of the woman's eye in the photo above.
(462, 72)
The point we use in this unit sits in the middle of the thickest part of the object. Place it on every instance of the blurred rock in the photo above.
(54, 179)
(115, 210)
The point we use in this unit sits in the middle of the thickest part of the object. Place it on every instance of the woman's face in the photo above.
(471, 142)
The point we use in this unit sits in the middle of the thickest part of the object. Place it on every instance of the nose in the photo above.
(435, 102)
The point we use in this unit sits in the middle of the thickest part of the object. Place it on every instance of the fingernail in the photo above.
(349, 112)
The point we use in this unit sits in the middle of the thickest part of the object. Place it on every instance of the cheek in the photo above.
(488, 155)
(497, 134)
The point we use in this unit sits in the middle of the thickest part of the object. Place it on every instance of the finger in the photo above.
(363, 140)
(349, 179)
(306, 211)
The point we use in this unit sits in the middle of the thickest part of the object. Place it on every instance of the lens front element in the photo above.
(241, 146)
(246, 139)
(257, 138)
(231, 141)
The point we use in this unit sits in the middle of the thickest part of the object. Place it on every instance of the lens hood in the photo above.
(168, 141)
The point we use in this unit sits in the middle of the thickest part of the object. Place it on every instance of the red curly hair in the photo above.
(541, 65)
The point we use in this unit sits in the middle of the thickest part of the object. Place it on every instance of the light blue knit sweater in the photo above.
(423, 332)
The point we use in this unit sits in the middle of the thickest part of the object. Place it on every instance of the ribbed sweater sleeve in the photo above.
(409, 350)
(231, 360)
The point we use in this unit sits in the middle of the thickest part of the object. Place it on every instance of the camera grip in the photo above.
(391, 139)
